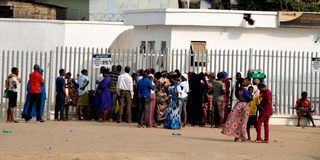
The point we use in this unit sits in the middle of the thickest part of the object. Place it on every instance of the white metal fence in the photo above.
(288, 72)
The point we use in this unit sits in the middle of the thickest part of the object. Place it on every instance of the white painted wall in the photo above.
(152, 33)
(97, 8)
(22, 34)
(244, 38)
(199, 17)
(44, 35)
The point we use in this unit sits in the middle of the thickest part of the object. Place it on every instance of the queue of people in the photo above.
(151, 98)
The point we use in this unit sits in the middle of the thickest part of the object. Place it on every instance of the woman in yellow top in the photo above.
(253, 112)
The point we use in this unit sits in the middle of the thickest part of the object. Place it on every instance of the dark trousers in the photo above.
(196, 113)
(60, 106)
(144, 104)
(125, 96)
(34, 98)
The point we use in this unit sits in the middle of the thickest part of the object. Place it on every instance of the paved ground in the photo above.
(90, 140)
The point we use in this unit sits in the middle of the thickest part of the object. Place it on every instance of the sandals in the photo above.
(256, 141)
(261, 141)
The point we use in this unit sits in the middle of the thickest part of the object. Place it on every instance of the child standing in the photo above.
(253, 112)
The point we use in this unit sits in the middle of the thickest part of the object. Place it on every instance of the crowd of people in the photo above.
(153, 98)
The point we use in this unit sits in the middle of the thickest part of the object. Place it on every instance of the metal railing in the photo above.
(288, 72)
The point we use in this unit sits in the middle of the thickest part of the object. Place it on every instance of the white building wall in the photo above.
(99, 8)
(96, 34)
(44, 35)
(244, 38)
(18, 34)
(152, 33)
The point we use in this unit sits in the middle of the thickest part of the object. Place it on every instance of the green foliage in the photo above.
(280, 5)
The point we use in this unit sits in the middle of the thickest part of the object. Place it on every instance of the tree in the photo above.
(280, 5)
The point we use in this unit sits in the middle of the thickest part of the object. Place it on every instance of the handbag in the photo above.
(5, 93)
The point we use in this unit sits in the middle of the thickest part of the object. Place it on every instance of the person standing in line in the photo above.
(265, 112)
(183, 91)
(100, 76)
(219, 91)
(125, 92)
(36, 81)
(60, 96)
(172, 118)
(144, 86)
(104, 95)
(72, 97)
(83, 96)
(12, 85)
(115, 72)
(152, 103)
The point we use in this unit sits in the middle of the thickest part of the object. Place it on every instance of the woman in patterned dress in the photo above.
(236, 123)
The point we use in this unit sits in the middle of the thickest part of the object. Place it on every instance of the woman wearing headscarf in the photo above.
(103, 95)
(172, 119)
(43, 100)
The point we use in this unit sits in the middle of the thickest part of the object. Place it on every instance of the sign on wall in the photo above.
(299, 19)
(316, 64)
(99, 60)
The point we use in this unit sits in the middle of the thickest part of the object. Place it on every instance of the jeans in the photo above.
(113, 105)
(183, 108)
(144, 105)
(60, 106)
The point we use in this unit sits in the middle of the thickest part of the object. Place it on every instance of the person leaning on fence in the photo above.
(125, 92)
(36, 81)
(303, 107)
(12, 84)
(60, 96)
(83, 96)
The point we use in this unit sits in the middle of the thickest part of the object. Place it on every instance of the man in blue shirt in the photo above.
(144, 86)
(60, 95)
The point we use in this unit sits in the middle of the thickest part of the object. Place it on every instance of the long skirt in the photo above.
(236, 124)
(172, 120)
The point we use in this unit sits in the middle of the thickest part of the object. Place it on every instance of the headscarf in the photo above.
(41, 71)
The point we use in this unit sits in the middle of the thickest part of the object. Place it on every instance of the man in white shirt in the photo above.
(125, 92)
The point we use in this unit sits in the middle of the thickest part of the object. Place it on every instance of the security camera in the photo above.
(248, 18)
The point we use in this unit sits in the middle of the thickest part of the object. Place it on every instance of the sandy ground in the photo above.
(91, 141)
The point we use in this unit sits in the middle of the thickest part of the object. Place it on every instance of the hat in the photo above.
(185, 75)
(262, 84)
(224, 74)
(41, 70)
